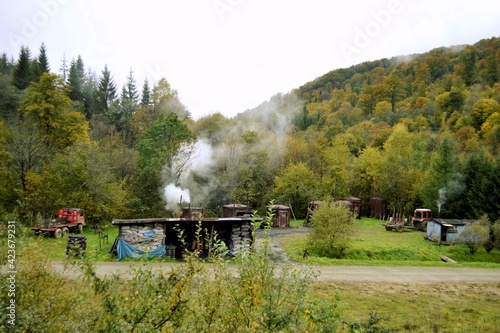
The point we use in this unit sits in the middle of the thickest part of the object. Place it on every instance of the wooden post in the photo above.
(211, 240)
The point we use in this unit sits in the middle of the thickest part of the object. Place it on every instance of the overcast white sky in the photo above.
(231, 55)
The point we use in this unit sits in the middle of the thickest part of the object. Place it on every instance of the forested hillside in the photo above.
(418, 131)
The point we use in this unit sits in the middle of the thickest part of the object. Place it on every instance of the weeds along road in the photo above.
(325, 273)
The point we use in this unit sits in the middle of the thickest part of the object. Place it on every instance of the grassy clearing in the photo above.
(453, 307)
(55, 249)
(373, 245)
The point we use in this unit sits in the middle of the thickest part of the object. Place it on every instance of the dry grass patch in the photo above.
(436, 307)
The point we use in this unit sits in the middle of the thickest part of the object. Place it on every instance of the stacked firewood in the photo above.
(144, 237)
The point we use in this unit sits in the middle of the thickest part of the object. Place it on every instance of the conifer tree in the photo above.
(5, 64)
(76, 78)
(41, 63)
(106, 92)
(131, 88)
(64, 68)
(146, 93)
(23, 72)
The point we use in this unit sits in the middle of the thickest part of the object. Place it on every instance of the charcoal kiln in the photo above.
(234, 210)
(234, 229)
(193, 213)
(281, 215)
(353, 203)
(378, 208)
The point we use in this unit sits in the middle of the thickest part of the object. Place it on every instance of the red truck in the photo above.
(68, 220)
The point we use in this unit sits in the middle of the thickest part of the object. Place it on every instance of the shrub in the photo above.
(333, 230)
(259, 296)
(495, 229)
(473, 235)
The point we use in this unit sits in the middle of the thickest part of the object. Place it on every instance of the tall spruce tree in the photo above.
(106, 92)
(128, 106)
(41, 64)
(146, 93)
(131, 88)
(5, 64)
(89, 92)
(64, 68)
(76, 78)
(23, 71)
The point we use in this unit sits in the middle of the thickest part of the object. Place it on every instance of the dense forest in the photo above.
(419, 131)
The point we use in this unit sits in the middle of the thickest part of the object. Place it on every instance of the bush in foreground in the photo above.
(259, 296)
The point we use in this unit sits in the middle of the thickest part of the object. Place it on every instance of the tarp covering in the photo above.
(124, 249)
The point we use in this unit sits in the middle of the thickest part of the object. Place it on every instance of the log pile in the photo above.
(145, 237)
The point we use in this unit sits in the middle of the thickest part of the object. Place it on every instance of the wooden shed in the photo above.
(378, 208)
(234, 210)
(445, 231)
(281, 216)
(355, 205)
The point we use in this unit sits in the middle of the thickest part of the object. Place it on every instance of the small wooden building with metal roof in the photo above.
(445, 231)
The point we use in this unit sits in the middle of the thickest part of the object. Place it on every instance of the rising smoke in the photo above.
(175, 195)
(214, 159)
(452, 189)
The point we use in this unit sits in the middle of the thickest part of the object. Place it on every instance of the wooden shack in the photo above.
(445, 231)
(378, 208)
(281, 215)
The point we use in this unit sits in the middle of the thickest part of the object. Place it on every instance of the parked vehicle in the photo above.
(67, 220)
(417, 222)
(420, 218)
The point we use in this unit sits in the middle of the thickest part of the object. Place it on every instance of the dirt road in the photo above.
(326, 273)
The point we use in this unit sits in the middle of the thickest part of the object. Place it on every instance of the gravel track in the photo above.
(325, 273)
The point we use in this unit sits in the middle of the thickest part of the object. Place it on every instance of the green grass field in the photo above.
(373, 245)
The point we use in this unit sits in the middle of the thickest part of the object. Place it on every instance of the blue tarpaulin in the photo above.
(124, 249)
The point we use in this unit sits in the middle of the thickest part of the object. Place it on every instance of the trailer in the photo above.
(67, 220)
(398, 223)
(416, 222)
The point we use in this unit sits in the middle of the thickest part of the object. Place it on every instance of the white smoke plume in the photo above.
(452, 189)
(442, 198)
(175, 195)
(200, 167)
(222, 152)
